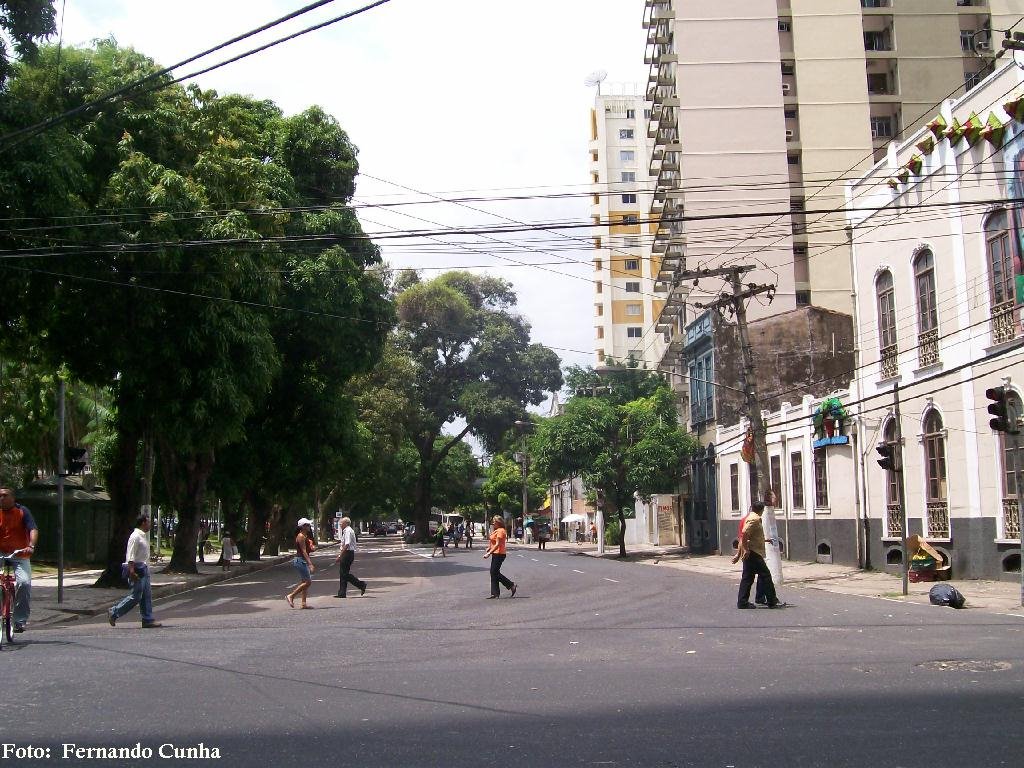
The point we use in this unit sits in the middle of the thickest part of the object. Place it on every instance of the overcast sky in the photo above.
(455, 98)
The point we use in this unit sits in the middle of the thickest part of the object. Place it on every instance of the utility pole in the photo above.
(736, 302)
(899, 488)
(60, 490)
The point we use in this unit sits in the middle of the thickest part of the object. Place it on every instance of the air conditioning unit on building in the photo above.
(789, 135)
(786, 87)
(983, 46)
(874, 133)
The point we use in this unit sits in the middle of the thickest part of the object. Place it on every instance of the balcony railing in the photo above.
(894, 520)
(890, 362)
(1011, 519)
(938, 519)
(1003, 326)
(928, 348)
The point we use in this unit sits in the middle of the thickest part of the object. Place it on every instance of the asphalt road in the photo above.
(593, 663)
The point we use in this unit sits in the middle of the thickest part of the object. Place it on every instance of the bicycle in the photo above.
(7, 597)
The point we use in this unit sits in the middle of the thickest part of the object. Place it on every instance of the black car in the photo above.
(380, 530)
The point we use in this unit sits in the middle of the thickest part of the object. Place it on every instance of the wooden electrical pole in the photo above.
(760, 477)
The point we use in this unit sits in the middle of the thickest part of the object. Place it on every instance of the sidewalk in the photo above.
(997, 596)
(82, 599)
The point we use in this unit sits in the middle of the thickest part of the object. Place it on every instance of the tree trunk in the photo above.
(192, 486)
(622, 533)
(324, 513)
(124, 493)
(278, 531)
(259, 514)
(422, 499)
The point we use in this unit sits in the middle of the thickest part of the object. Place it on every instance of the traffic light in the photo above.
(887, 456)
(1001, 422)
(75, 460)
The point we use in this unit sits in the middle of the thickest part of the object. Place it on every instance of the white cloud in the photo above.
(438, 95)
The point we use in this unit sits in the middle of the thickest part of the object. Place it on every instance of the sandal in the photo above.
(291, 601)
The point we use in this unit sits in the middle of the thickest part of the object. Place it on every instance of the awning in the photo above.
(574, 518)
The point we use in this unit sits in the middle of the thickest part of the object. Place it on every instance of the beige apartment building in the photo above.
(761, 108)
(624, 299)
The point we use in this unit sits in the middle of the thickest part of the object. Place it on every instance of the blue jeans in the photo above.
(22, 589)
(141, 595)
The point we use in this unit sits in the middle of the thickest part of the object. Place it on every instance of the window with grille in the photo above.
(632, 287)
(924, 280)
(630, 114)
(820, 479)
(734, 487)
(1006, 449)
(1000, 257)
(935, 457)
(796, 471)
(886, 309)
(892, 492)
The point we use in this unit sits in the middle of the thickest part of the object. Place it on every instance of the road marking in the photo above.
(553, 565)
(173, 604)
(219, 601)
(535, 559)
(613, 581)
(575, 571)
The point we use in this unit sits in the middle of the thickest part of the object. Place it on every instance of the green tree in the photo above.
(503, 488)
(472, 360)
(24, 22)
(620, 447)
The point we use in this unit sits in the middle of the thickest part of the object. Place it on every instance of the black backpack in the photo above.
(943, 594)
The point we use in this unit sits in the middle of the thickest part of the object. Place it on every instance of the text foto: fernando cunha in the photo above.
(135, 752)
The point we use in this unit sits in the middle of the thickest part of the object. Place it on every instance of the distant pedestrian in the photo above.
(496, 551)
(136, 570)
(751, 551)
(204, 539)
(543, 534)
(439, 540)
(227, 550)
(593, 533)
(470, 532)
(345, 557)
(302, 563)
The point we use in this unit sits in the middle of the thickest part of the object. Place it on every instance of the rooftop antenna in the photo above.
(595, 78)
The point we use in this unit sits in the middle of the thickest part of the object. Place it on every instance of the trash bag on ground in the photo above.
(943, 594)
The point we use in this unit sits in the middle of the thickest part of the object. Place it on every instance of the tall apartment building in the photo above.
(759, 109)
(625, 304)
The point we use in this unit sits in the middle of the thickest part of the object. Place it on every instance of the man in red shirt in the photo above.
(18, 531)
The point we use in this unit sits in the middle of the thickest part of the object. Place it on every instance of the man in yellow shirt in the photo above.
(752, 552)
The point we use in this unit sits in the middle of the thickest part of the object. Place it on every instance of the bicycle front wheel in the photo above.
(6, 620)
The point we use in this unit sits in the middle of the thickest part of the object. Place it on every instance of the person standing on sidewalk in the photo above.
(136, 569)
(227, 551)
(751, 551)
(469, 534)
(439, 540)
(18, 531)
(496, 551)
(302, 563)
(345, 557)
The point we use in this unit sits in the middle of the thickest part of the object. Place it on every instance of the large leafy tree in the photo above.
(181, 319)
(472, 360)
(621, 436)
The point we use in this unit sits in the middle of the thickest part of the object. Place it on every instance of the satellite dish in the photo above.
(595, 78)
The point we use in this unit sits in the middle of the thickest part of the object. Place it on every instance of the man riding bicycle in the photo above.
(18, 531)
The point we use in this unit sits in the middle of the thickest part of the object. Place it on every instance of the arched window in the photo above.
(1011, 497)
(924, 280)
(1001, 277)
(935, 476)
(927, 314)
(887, 324)
(894, 519)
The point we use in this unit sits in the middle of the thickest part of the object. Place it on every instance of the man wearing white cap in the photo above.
(345, 557)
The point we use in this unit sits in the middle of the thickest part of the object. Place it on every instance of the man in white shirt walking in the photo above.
(345, 557)
(136, 568)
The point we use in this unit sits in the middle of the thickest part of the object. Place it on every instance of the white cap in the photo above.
(305, 521)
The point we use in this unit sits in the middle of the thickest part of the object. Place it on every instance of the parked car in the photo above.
(380, 530)
(392, 528)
